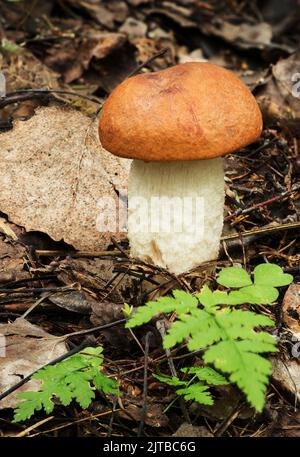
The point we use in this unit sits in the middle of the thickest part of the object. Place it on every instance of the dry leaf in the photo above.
(291, 308)
(134, 28)
(279, 99)
(27, 348)
(12, 260)
(72, 59)
(96, 274)
(105, 313)
(155, 417)
(54, 175)
(245, 35)
(76, 301)
(22, 70)
(192, 431)
(285, 425)
(6, 229)
(287, 374)
(284, 73)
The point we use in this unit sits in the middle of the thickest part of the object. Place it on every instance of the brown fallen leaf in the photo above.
(105, 14)
(155, 417)
(71, 57)
(287, 424)
(134, 28)
(226, 402)
(75, 301)
(6, 229)
(54, 176)
(22, 70)
(12, 262)
(105, 313)
(291, 308)
(286, 373)
(27, 348)
(279, 99)
(245, 35)
(285, 72)
(189, 430)
(179, 14)
(95, 274)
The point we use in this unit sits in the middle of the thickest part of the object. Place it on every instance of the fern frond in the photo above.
(71, 379)
(247, 369)
(206, 374)
(231, 339)
(173, 382)
(196, 392)
(180, 302)
(200, 328)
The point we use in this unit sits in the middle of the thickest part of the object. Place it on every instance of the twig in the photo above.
(35, 304)
(77, 421)
(244, 211)
(148, 61)
(266, 144)
(111, 421)
(262, 231)
(47, 253)
(94, 329)
(26, 280)
(38, 290)
(13, 97)
(160, 324)
(27, 94)
(228, 421)
(145, 385)
(246, 233)
(117, 245)
(34, 426)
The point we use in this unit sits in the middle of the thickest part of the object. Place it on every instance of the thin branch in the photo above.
(242, 212)
(246, 233)
(148, 61)
(145, 385)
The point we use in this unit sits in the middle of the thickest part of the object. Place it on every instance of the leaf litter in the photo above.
(88, 47)
(53, 178)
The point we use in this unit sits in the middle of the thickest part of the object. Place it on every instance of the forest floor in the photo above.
(72, 54)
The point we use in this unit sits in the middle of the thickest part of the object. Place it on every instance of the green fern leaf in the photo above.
(231, 339)
(71, 379)
(180, 302)
(173, 382)
(206, 374)
(235, 331)
(248, 370)
(196, 392)
(103, 383)
(201, 327)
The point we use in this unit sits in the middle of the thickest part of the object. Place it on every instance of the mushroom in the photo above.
(177, 124)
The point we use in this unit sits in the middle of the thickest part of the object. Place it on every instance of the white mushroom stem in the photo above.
(175, 212)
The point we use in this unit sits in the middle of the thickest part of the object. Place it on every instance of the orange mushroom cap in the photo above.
(190, 111)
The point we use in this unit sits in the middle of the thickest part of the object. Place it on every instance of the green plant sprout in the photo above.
(75, 378)
(196, 391)
(231, 339)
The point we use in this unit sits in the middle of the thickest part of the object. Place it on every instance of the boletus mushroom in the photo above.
(176, 124)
